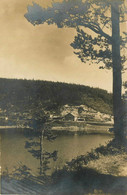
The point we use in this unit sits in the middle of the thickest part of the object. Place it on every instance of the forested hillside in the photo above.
(22, 95)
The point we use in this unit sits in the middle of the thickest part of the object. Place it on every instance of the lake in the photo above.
(22, 149)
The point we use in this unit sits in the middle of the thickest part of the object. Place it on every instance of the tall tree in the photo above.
(116, 61)
(104, 44)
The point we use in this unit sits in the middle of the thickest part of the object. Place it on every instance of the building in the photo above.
(69, 117)
(80, 119)
(57, 118)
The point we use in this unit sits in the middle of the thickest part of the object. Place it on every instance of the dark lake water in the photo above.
(19, 149)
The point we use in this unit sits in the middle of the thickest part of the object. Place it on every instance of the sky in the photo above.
(42, 52)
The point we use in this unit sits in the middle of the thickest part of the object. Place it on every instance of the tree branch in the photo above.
(96, 28)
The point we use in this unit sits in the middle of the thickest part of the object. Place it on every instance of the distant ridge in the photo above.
(21, 94)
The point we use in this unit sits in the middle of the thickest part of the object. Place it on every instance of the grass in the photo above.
(102, 171)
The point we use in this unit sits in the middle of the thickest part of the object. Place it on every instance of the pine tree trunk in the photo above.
(117, 78)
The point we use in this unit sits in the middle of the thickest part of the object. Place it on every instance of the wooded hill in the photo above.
(22, 95)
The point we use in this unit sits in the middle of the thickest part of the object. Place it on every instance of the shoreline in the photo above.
(82, 128)
(72, 130)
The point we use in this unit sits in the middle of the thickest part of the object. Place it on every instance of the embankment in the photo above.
(63, 127)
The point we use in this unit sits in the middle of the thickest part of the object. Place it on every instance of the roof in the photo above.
(69, 114)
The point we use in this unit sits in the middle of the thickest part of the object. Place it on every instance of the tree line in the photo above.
(23, 95)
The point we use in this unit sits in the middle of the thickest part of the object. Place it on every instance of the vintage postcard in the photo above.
(63, 97)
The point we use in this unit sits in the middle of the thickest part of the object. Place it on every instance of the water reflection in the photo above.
(36, 155)
(38, 150)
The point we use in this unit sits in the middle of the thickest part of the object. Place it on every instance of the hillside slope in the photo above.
(22, 95)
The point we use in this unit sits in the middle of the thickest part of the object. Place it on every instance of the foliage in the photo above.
(102, 43)
(89, 172)
(87, 49)
(82, 15)
(29, 96)
(112, 148)
(38, 151)
(125, 84)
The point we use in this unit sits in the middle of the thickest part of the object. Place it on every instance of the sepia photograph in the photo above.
(63, 97)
